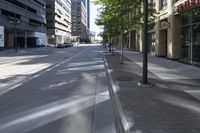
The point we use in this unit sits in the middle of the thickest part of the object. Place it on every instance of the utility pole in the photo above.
(145, 44)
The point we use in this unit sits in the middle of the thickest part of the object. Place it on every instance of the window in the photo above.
(196, 15)
(190, 35)
(186, 18)
(163, 4)
(153, 3)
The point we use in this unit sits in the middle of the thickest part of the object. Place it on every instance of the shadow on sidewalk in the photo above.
(163, 108)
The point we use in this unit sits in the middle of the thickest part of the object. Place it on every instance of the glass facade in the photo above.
(190, 35)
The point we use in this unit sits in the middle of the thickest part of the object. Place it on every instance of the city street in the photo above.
(99, 66)
(56, 91)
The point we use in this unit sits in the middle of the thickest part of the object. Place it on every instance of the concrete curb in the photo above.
(122, 122)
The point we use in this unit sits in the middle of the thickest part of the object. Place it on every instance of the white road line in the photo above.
(35, 76)
(13, 87)
(57, 65)
(48, 70)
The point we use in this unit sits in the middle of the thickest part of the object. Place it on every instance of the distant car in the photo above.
(50, 45)
(68, 44)
(60, 45)
(71, 44)
(40, 45)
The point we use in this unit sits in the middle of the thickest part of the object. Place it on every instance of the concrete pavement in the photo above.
(9, 55)
(16, 68)
(70, 96)
(167, 106)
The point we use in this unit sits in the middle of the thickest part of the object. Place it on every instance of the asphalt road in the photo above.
(71, 95)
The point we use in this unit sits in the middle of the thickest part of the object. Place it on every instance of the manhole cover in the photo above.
(124, 78)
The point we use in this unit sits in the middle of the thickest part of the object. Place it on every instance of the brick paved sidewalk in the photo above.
(164, 108)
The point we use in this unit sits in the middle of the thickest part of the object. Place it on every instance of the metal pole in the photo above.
(110, 45)
(145, 43)
(15, 36)
(15, 32)
(122, 54)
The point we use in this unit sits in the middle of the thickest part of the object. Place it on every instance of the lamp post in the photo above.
(15, 21)
(145, 44)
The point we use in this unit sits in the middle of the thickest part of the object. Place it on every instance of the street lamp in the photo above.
(15, 21)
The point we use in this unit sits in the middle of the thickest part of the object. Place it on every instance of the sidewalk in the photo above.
(171, 105)
(9, 55)
(17, 67)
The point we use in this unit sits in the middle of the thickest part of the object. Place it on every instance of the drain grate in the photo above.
(124, 78)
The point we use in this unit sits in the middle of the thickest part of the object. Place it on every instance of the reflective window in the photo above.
(185, 18)
(190, 35)
(196, 15)
(196, 42)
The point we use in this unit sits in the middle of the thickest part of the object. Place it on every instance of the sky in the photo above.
(93, 15)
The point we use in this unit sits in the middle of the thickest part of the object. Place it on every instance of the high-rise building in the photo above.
(58, 21)
(24, 20)
(80, 19)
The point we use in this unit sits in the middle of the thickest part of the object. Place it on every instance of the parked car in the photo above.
(71, 44)
(41, 45)
(60, 45)
(50, 45)
(68, 44)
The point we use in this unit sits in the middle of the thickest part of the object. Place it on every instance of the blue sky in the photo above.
(93, 15)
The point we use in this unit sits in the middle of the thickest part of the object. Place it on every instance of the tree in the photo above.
(121, 16)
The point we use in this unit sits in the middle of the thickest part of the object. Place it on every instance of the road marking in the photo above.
(48, 70)
(13, 87)
(57, 65)
(35, 76)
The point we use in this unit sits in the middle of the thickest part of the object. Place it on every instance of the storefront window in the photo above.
(186, 43)
(196, 15)
(190, 36)
(196, 42)
(185, 18)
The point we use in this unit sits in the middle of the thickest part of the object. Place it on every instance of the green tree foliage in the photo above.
(120, 16)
